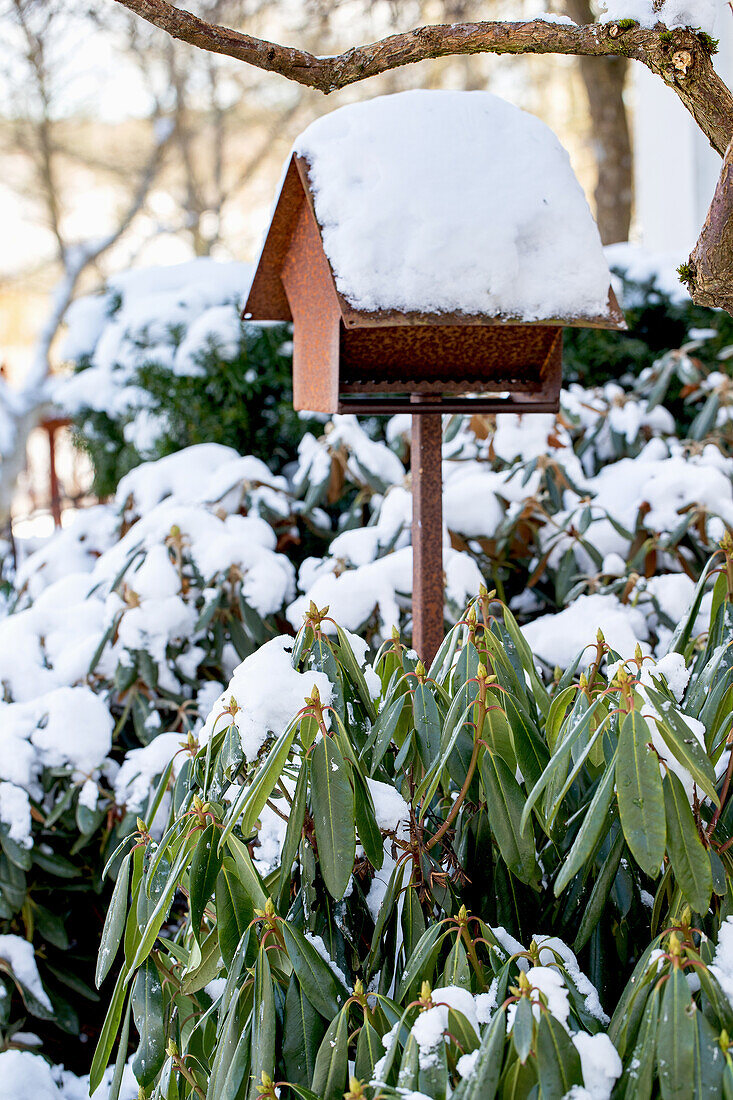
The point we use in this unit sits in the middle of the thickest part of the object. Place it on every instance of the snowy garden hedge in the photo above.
(141, 758)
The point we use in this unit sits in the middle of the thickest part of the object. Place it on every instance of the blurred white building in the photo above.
(675, 168)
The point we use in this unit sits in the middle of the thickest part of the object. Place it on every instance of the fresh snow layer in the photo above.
(699, 14)
(557, 639)
(722, 965)
(26, 1076)
(268, 693)
(600, 1064)
(443, 201)
(20, 957)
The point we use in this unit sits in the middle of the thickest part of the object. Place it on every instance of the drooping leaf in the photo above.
(234, 909)
(505, 801)
(323, 989)
(688, 856)
(114, 924)
(676, 1039)
(333, 816)
(332, 1060)
(590, 831)
(303, 1030)
(484, 1080)
(262, 1059)
(640, 797)
(558, 1062)
(147, 1011)
(205, 867)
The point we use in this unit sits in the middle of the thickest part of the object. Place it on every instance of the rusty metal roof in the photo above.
(267, 300)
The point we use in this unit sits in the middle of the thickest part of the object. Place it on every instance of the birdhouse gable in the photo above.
(429, 248)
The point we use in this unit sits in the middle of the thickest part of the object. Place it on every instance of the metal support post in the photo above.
(427, 534)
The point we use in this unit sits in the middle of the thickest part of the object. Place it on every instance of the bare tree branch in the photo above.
(681, 58)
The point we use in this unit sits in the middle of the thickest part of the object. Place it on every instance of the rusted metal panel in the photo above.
(446, 359)
(267, 300)
(307, 280)
(386, 405)
(427, 536)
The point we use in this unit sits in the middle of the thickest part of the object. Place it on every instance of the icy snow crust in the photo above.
(442, 202)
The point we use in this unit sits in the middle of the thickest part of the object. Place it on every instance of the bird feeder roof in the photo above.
(438, 207)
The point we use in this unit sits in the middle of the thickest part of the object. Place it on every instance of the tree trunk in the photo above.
(604, 80)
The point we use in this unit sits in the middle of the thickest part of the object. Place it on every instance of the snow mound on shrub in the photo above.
(268, 693)
(26, 1076)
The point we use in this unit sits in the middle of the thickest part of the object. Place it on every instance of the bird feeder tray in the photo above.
(347, 360)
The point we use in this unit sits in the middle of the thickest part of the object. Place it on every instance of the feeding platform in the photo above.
(429, 248)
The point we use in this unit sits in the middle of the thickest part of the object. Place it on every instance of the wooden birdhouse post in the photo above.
(429, 247)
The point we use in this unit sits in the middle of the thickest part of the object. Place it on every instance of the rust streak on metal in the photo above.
(427, 536)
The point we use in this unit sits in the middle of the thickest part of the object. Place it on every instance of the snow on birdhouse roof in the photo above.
(449, 202)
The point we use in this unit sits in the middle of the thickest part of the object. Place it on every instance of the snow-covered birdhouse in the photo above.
(429, 247)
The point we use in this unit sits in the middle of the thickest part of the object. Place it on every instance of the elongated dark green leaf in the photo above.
(558, 1062)
(590, 831)
(249, 803)
(262, 1059)
(333, 816)
(366, 822)
(332, 1061)
(418, 960)
(505, 800)
(203, 965)
(427, 723)
(147, 1010)
(114, 924)
(160, 912)
(600, 892)
(709, 1062)
(293, 832)
(353, 668)
(318, 981)
(121, 1059)
(369, 1050)
(690, 863)
(457, 971)
(233, 1083)
(228, 1038)
(640, 798)
(382, 731)
(205, 867)
(303, 1030)
(409, 1074)
(484, 1080)
(523, 1028)
(234, 909)
(432, 1078)
(639, 1074)
(573, 732)
(684, 746)
(676, 1039)
(539, 691)
(107, 1034)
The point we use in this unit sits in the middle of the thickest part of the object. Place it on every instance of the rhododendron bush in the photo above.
(304, 855)
(438, 882)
